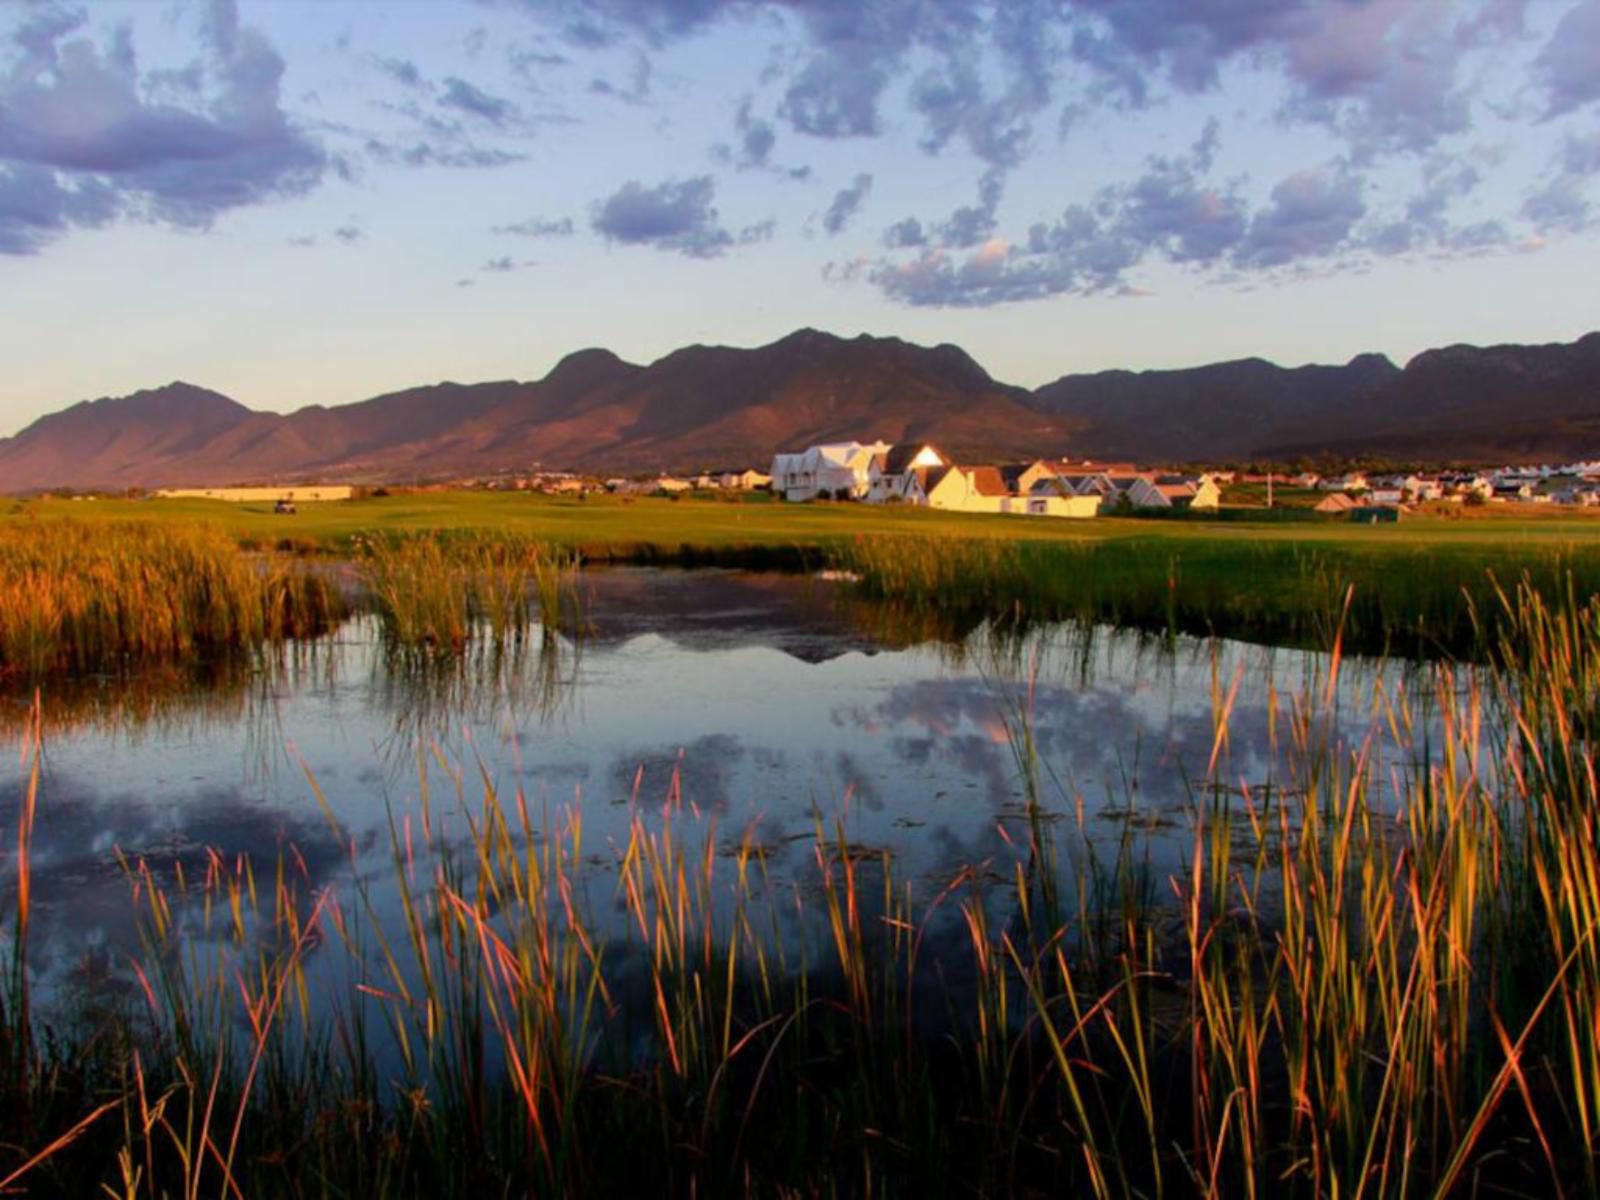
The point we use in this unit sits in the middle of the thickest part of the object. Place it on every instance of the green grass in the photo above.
(606, 526)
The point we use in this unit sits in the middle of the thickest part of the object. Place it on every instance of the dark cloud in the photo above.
(675, 215)
(1569, 64)
(974, 223)
(467, 98)
(846, 203)
(36, 207)
(1311, 214)
(540, 227)
(905, 235)
(501, 265)
(83, 115)
(348, 234)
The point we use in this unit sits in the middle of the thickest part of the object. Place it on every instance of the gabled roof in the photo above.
(899, 458)
(987, 481)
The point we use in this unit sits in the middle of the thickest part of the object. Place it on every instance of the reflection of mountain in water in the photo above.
(803, 617)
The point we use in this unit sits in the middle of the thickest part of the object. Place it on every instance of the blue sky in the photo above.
(309, 201)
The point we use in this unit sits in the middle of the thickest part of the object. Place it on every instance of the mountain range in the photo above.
(707, 407)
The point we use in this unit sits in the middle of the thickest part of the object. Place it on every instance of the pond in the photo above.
(761, 710)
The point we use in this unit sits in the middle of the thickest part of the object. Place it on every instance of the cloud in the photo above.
(846, 203)
(348, 234)
(673, 215)
(540, 227)
(1569, 64)
(501, 265)
(402, 70)
(1310, 215)
(86, 117)
(905, 235)
(1561, 203)
(474, 101)
(426, 153)
(36, 208)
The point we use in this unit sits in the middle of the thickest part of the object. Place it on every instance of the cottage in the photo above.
(1336, 504)
(834, 471)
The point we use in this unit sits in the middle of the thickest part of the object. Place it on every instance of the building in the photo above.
(959, 489)
(1050, 497)
(744, 481)
(836, 471)
(890, 473)
(298, 494)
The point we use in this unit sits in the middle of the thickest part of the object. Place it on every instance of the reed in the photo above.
(1375, 975)
(1415, 598)
(83, 599)
(436, 593)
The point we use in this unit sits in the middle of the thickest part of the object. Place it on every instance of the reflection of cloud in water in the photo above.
(701, 773)
(82, 897)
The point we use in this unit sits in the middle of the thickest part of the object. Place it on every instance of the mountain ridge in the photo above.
(705, 406)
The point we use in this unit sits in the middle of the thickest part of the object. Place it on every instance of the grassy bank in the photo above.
(1415, 599)
(87, 598)
(1377, 975)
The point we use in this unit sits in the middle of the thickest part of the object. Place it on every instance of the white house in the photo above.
(837, 471)
(891, 472)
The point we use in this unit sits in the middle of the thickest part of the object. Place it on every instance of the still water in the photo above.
(753, 706)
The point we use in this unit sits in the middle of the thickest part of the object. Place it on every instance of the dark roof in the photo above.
(899, 458)
(929, 478)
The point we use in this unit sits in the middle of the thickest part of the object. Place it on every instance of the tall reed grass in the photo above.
(441, 593)
(1376, 974)
(81, 599)
(1420, 599)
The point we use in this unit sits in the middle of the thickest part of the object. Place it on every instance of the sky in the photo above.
(315, 201)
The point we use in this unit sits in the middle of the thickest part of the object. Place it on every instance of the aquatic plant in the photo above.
(439, 593)
(79, 598)
(1375, 975)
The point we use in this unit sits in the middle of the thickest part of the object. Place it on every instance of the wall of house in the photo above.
(260, 495)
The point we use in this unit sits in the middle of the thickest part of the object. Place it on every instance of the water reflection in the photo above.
(759, 710)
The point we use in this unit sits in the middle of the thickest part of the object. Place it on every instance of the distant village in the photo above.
(920, 474)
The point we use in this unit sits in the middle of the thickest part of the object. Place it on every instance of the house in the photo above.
(959, 489)
(1336, 503)
(744, 481)
(837, 470)
(890, 472)
(1353, 481)
(1050, 497)
(1190, 491)
(261, 495)
(669, 485)
(1386, 495)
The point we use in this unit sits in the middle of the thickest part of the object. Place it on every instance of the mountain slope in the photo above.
(712, 406)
